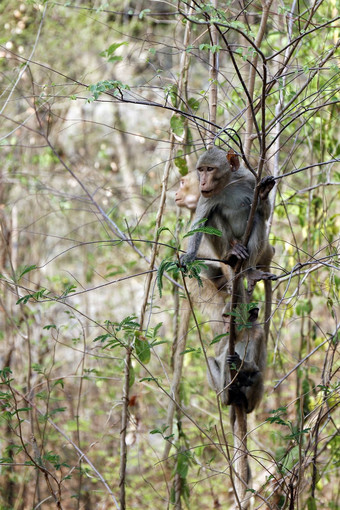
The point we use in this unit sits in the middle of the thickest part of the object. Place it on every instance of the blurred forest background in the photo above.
(104, 105)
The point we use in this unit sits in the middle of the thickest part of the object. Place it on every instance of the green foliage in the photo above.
(24, 271)
(162, 431)
(209, 47)
(181, 162)
(166, 266)
(177, 124)
(105, 162)
(40, 294)
(304, 307)
(241, 314)
(218, 338)
(115, 87)
(194, 104)
(204, 230)
(171, 91)
(142, 348)
(143, 13)
(109, 53)
(311, 503)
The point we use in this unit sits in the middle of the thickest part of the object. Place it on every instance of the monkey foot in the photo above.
(238, 252)
(255, 275)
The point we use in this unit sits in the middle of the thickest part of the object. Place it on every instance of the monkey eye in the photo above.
(210, 168)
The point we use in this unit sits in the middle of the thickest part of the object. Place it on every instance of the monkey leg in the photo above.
(234, 395)
(221, 279)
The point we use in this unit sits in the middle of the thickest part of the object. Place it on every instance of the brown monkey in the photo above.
(188, 192)
(249, 359)
(227, 191)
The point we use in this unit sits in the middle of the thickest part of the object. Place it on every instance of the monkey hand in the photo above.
(187, 258)
(234, 359)
(265, 186)
(238, 252)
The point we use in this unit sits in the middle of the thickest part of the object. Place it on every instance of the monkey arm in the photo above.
(193, 246)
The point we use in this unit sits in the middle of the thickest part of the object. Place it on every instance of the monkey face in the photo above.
(187, 194)
(214, 171)
(212, 180)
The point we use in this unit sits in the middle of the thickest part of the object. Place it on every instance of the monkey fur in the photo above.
(187, 196)
(188, 192)
(227, 191)
(249, 359)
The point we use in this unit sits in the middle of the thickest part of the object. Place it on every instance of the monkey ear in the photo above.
(253, 314)
(233, 160)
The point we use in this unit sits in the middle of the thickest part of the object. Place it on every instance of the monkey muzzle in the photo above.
(207, 193)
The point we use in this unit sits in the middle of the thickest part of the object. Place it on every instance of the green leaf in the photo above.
(177, 125)
(23, 299)
(204, 230)
(181, 163)
(143, 12)
(162, 229)
(214, 49)
(114, 86)
(194, 104)
(58, 410)
(114, 47)
(218, 338)
(27, 269)
(182, 467)
(171, 91)
(129, 322)
(115, 58)
(311, 503)
(148, 379)
(142, 349)
(164, 266)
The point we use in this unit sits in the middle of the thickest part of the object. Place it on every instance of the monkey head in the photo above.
(188, 192)
(214, 169)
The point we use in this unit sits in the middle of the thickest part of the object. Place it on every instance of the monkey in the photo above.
(245, 390)
(188, 192)
(249, 359)
(227, 191)
(210, 299)
(187, 196)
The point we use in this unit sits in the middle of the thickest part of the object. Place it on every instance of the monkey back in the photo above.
(213, 157)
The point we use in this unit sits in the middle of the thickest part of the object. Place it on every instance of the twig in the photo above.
(123, 445)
